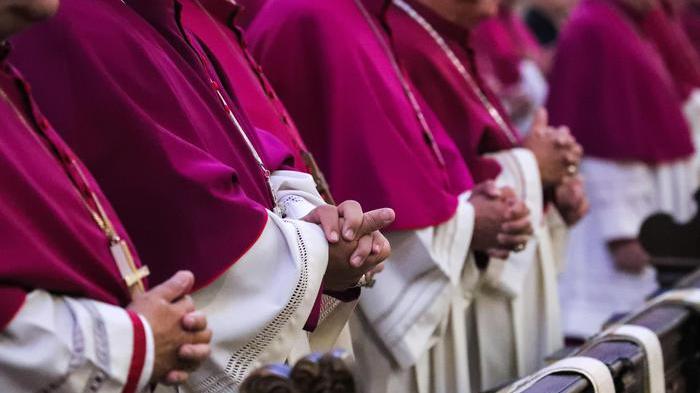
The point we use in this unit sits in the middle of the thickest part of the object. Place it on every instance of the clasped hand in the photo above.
(181, 337)
(356, 247)
(502, 223)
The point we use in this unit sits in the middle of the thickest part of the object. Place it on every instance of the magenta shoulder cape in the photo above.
(212, 22)
(664, 28)
(611, 87)
(144, 118)
(451, 97)
(48, 239)
(337, 81)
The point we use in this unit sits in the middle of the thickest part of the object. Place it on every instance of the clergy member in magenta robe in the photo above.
(188, 175)
(513, 63)
(332, 64)
(638, 156)
(215, 24)
(517, 312)
(59, 279)
(664, 27)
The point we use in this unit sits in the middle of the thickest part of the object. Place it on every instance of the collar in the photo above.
(446, 28)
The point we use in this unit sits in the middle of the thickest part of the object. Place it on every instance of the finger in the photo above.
(571, 159)
(491, 190)
(522, 226)
(327, 217)
(512, 242)
(541, 120)
(176, 377)
(364, 248)
(508, 193)
(377, 269)
(377, 242)
(517, 211)
(351, 211)
(375, 220)
(176, 287)
(185, 305)
(382, 255)
(498, 253)
(200, 337)
(194, 321)
(194, 353)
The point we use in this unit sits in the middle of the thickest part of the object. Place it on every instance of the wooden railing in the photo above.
(678, 329)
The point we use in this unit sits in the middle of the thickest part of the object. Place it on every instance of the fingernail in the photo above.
(356, 261)
(376, 249)
(334, 236)
(387, 214)
(349, 234)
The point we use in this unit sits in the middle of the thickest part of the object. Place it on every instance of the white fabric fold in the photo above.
(296, 193)
(521, 173)
(517, 305)
(414, 291)
(64, 344)
(258, 308)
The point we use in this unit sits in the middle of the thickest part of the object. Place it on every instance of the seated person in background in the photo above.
(75, 313)
(197, 186)
(611, 86)
(517, 307)
(378, 142)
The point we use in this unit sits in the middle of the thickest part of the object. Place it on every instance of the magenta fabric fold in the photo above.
(502, 42)
(141, 112)
(612, 88)
(48, 237)
(454, 101)
(213, 23)
(251, 8)
(664, 28)
(338, 83)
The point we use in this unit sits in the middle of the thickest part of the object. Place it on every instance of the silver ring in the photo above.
(520, 247)
(366, 281)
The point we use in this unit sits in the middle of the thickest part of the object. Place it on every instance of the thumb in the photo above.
(375, 220)
(541, 120)
(176, 287)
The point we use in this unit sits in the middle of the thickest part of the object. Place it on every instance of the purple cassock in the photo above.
(691, 23)
(373, 135)
(502, 43)
(610, 85)
(664, 28)
(50, 239)
(147, 119)
(214, 24)
(456, 92)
